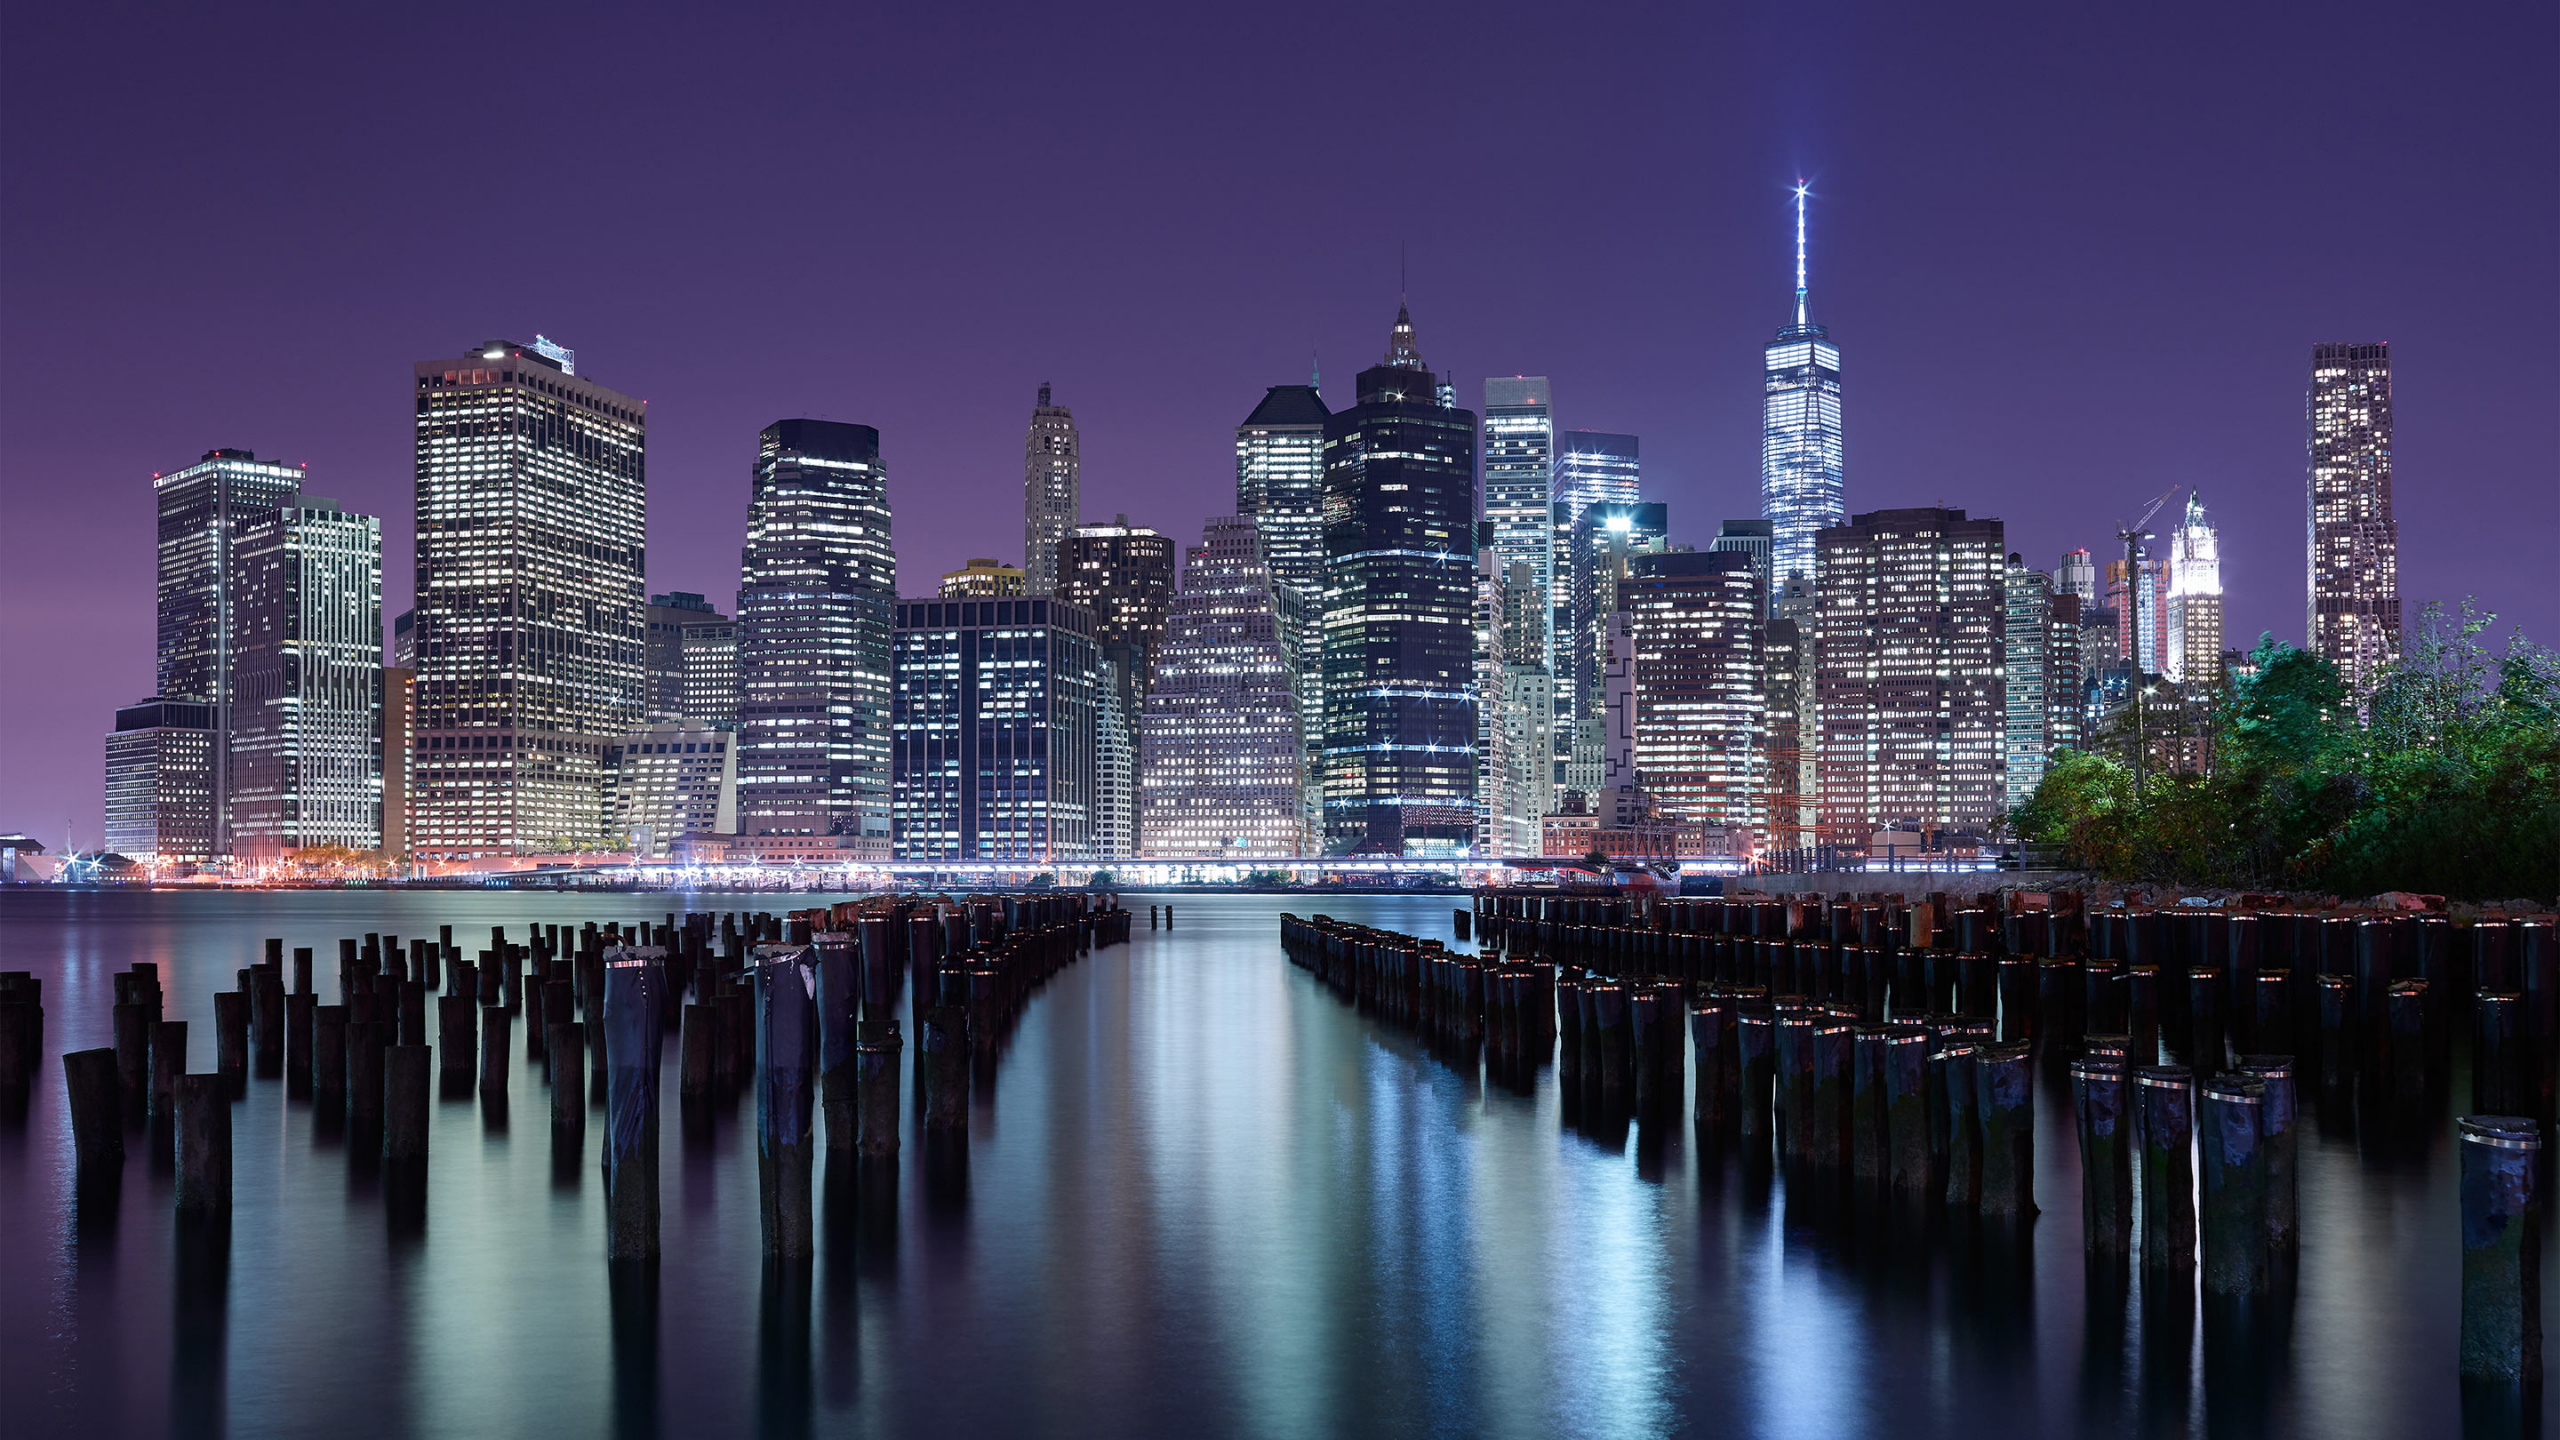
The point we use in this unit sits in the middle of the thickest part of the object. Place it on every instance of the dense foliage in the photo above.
(2448, 782)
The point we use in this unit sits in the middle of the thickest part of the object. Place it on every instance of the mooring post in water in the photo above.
(97, 1107)
(634, 1011)
(2501, 1249)
(2405, 1005)
(2496, 1067)
(875, 1059)
(1955, 1065)
(944, 1035)
(231, 1037)
(2204, 1019)
(1870, 1134)
(457, 1042)
(2106, 1171)
(1569, 1056)
(266, 1009)
(404, 1104)
(786, 1065)
(2005, 1094)
(1906, 1103)
(329, 1062)
(2231, 1135)
(203, 1143)
(1609, 1009)
(1755, 1032)
(2337, 1028)
(1834, 1060)
(1646, 1041)
(839, 1003)
(494, 1021)
(566, 1047)
(365, 1046)
(1711, 1029)
(2167, 1097)
(168, 1062)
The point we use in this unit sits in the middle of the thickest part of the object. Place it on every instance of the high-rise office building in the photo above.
(1223, 767)
(1515, 770)
(532, 510)
(1696, 620)
(160, 783)
(1280, 487)
(982, 579)
(816, 594)
(201, 511)
(306, 709)
(1399, 692)
(2077, 575)
(1593, 467)
(2353, 543)
(1592, 555)
(1050, 501)
(1752, 538)
(995, 726)
(1519, 472)
(673, 778)
(1787, 651)
(399, 756)
(662, 629)
(1800, 449)
(1123, 573)
(2193, 616)
(1910, 635)
(1118, 710)
(2041, 683)
(707, 651)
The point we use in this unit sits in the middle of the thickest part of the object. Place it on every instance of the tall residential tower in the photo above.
(2353, 543)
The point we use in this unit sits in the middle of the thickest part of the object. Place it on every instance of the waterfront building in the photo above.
(1519, 475)
(662, 626)
(1593, 555)
(1399, 693)
(708, 654)
(2192, 618)
(202, 510)
(672, 778)
(532, 510)
(995, 725)
(1280, 487)
(982, 579)
(2041, 684)
(1909, 689)
(306, 713)
(1123, 573)
(817, 588)
(160, 802)
(2353, 543)
(1801, 489)
(1699, 685)
(1223, 764)
(1118, 712)
(1787, 652)
(1050, 498)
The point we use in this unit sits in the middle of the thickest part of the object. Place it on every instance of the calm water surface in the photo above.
(1203, 1197)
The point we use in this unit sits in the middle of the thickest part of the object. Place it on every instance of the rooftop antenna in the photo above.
(1315, 372)
(1801, 187)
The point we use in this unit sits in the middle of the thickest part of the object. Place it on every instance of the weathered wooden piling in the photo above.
(2205, 1050)
(2231, 1136)
(457, 1043)
(133, 1061)
(168, 1062)
(2497, 1068)
(2271, 1020)
(943, 1035)
(696, 1074)
(1646, 1043)
(839, 1000)
(494, 1022)
(1608, 999)
(405, 1091)
(267, 1018)
(876, 1051)
(2405, 1006)
(2106, 1170)
(231, 1037)
(329, 1062)
(202, 1141)
(2501, 1249)
(786, 1065)
(2004, 1083)
(97, 1107)
(1711, 1030)
(1755, 1033)
(1870, 1139)
(2142, 1011)
(1955, 1079)
(566, 1048)
(2336, 999)
(1827, 1138)
(634, 1009)
(2166, 1097)
(1906, 1104)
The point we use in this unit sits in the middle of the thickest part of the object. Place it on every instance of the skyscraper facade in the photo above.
(1910, 636)
(532, 509)
(1280, 487)
(994, 729)
(2193, 618)
(1787, 651)
(160, 783)
(2041, 682)
(1800, 447)
(306, 718)
(673, 778)
(816, 595)
(1592, 555)
(1123, 573)
(2353, 542)
(201, 512)
(1593, 467)
(708, 653)
(1222, 768)
(1399, 697)
(1050, 499)
(662, 628)
(982, 578)
(2077, 575)
(1515, 771)
(1699, 683)
(1519, 472)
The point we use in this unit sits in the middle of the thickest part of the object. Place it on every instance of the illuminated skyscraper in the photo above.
(1519, 472)
(306, 715)
(1800, 449)
(981, 579)
(1280, 487)
(662, 630)
(1701, 706)
(1787, 662)
(532, 510)
(1123, 574)
(1593, 556)
(2352, 539)
(1908, 673)
(160, 783)
(817, 587)
(2041, 679)
(202, 510)
(1050, 502)
(2077, 575)
(1399, 691)
(2194, 618)
(995, 728)
(1222, 767)
(1515, 766)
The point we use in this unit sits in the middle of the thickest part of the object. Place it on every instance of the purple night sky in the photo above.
(2072, 255)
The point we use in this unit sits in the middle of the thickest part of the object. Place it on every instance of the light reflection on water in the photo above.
(1205, 1196)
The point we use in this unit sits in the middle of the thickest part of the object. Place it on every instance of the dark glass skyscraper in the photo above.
(816, 595)
(1399, 610)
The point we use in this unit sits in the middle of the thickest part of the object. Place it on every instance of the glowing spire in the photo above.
(1800, 312)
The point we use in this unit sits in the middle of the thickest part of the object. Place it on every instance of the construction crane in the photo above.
(2133, 535)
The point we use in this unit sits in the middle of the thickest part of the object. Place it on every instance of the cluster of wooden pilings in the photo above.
(1900, 1031)
(803, 1007)
(1460, 1003)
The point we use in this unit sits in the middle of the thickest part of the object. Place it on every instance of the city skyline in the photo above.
(1649, 325)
